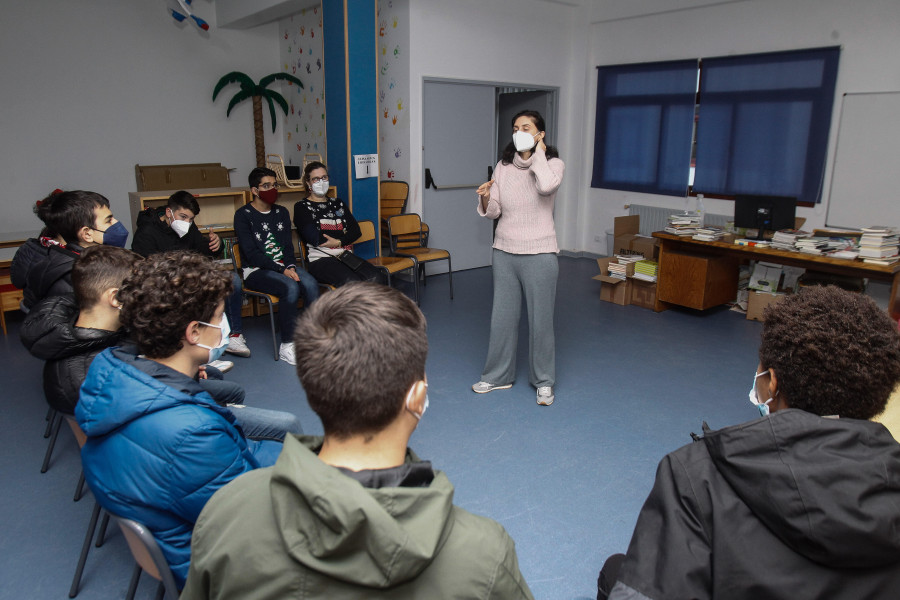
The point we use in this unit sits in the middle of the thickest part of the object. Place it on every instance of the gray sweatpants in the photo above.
(534, 276)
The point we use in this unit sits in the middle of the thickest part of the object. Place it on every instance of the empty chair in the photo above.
(272, 300)
(408, 239)
(276, 163)
(148, 558)
(389, 264)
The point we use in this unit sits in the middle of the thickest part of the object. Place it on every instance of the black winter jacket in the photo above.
(49, 333)
(789, 506)
(154, 235)
(42, 271)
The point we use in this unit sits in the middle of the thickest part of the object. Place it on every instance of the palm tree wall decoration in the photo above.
(257, 91)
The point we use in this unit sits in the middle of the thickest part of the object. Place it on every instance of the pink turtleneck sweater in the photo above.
(522, 196)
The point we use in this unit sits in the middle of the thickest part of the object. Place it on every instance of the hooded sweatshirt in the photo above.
(158, 447)
(789, 506)
(43, 269)
(304, 529)
(49, 333)
(154, 235)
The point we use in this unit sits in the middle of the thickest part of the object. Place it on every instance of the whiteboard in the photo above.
(865, 180)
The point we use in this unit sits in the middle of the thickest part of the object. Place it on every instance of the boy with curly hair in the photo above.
(158, 444)
(801, 503)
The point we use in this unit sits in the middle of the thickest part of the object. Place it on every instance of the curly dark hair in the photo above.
(359, 349)
(167, 291)
(834, 352)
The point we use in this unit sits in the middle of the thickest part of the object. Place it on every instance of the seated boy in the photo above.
(158, 444)
(263, 231)
(171, 227)
(355, 514)
(72, 221)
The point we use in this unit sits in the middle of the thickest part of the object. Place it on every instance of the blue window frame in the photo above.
(762, 125)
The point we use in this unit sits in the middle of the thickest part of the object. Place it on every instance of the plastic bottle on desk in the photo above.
(701, 210)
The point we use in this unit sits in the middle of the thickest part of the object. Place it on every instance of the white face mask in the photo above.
(320, 188)
(215, 352)
(523, 141)
(424, 406)
(762, 406)
(180, 227)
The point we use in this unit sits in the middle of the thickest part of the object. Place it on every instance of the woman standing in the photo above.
(521, 195)
(328, 229)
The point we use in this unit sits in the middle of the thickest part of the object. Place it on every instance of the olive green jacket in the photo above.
(303, 529)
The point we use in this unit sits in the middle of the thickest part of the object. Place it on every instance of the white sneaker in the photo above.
(237, 344)
(483, 387)
(222, 365)
(286, 353)
(545, 395)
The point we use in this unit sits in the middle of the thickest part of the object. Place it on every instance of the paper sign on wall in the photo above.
(366, 165)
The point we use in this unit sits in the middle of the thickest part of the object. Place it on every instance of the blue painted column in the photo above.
(351, 101)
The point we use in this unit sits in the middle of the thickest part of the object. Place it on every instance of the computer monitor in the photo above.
(764, 212)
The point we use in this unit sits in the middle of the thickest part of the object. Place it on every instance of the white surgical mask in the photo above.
(424, 406)
(215, 352)
(523, 141)
(320, 188)
(180, 227)
(762, 406)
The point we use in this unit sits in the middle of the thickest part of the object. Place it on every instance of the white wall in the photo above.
(867, 31)
(92, 87)
(513, 41)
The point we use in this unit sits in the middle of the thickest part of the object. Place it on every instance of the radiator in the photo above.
(655, 218)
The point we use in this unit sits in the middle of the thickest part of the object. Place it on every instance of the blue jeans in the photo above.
(234, 303)
(288, 292)
(257, 423)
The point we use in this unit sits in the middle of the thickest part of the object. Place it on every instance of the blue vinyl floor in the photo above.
(567, 481)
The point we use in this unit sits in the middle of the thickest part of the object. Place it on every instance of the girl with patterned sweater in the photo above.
(328, 229)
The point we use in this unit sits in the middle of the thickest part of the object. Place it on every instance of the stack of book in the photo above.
(646, 270)
(812, 245)
(786, 238)
(879, 245)
(624, 265)
(709, 233)
(683, 224)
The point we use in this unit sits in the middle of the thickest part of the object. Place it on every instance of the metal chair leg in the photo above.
(160, 591)
(272, 324)
(57, 421)
(79, 489)
(51, 412)
(450, 273)
(101, 536)
(85, 548)
(135, 579)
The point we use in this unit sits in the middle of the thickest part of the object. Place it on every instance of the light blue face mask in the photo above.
(762, 406)
(215, 352)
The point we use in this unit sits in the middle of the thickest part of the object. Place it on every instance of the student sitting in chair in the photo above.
(801, 503)
(73, 221)
(158, 444)
(355, 514)
(328, 229)
(263, 230)
(172, 227)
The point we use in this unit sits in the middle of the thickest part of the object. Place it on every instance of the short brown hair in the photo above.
(359, 349)
(834, 352)
(167, 291)
(98, 269)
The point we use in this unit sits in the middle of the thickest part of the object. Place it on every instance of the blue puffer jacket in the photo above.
(158, 447)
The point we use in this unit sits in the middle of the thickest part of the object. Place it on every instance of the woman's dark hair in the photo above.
(167, 291)
(65, 213)
(510, 151)
(309, 168)
(834, 352)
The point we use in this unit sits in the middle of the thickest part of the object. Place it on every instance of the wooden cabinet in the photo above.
(697, 281)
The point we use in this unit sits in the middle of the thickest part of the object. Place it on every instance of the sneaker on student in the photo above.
(222, 365)
(545, 395)
(286, 353)
(483, 387)
(237, 344)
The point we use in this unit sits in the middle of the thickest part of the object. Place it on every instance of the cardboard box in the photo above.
(613, 289)
(625, 230)
(648, 246)
(765, 277)
(758, 301)
(643, 294)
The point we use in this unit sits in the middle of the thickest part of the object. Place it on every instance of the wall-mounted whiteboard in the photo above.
(865, 181)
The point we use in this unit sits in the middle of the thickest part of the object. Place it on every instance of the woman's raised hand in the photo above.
(485, 188)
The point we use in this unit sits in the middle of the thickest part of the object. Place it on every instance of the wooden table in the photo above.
(854, 268)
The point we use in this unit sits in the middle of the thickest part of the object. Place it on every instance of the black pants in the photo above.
(333, 272)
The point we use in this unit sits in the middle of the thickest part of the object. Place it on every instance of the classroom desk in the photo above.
(853, 268)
